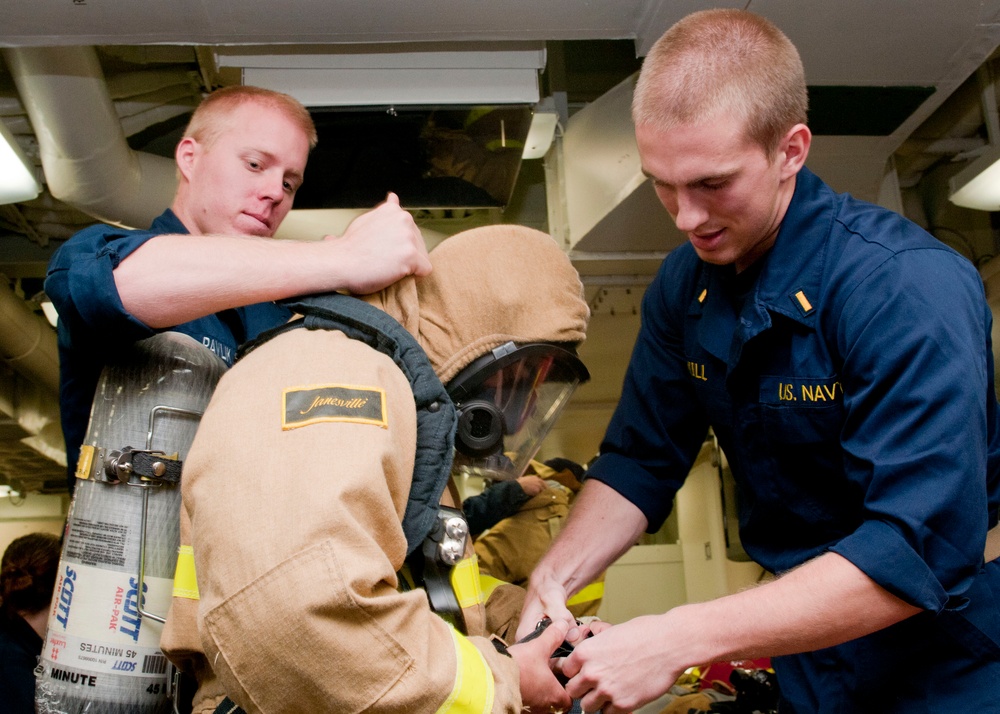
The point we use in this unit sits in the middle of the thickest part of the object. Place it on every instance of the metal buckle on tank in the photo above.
(119, 466)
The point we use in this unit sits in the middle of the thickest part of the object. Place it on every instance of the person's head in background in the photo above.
(242, 158)
(28, 577)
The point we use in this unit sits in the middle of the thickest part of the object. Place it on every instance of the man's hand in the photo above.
(531, 484)
(540, 690)
(380, 247)
(621, 667)
(546, 598)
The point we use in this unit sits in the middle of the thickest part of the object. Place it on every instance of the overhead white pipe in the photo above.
(87, 161)
(28, 346)
(27, 342)
(88, 165)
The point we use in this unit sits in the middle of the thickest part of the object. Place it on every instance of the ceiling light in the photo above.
(17, 175)
(397, 75)
(49, 310)
(978, 185)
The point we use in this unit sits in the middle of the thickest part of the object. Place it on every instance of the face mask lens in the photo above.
(523, 392)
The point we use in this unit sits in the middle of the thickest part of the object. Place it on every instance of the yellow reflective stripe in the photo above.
(594, 591)
(185, 583)
(85, 461)
(474, 687)
(465, 583)
(488, 584)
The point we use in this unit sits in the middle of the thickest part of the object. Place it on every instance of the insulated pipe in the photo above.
(27, 342)
(87, 161)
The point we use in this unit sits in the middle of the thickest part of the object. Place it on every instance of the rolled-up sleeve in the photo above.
(80, 281)
(915, 338)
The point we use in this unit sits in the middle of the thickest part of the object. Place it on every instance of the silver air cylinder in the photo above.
(113, 590)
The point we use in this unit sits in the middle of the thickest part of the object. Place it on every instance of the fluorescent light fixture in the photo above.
(49, 310)
(978, 185)
(397, 75)
(17, 175)
(540, 134)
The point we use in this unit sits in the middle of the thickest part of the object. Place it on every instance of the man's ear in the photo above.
(794, 150)
(186, 155)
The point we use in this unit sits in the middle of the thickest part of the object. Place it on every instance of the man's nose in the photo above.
(272, 188)
(688, 214)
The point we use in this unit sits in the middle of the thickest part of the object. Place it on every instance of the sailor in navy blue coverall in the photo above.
(849, 380)
(842, 356)
(201, 263)
(93, 323)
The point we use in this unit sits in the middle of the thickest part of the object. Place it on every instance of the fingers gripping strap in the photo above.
(474, 687)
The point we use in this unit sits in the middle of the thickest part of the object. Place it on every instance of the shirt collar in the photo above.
(791, 279)
(167, 223)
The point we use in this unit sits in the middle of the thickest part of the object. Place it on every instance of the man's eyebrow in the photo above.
(721, 176)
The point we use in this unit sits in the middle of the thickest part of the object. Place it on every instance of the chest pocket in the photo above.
(802, 410)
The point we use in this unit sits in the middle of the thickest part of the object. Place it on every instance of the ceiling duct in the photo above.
(87, 162)
(607, 202)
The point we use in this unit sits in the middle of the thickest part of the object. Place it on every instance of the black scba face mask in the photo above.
(507, 402)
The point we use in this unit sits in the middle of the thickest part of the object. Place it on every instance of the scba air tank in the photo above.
(102, 646)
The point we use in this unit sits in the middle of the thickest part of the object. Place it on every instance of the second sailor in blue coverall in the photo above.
(843, 357)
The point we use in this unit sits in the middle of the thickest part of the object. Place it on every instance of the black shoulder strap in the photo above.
(436, 416)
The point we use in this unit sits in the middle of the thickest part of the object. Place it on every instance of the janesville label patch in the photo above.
(333, 402)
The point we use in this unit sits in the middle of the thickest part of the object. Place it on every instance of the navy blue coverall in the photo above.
(93, 323)
(849, 379)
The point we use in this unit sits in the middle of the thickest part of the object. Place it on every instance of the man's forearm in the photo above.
(825, 602)
(172, 279)
(602, 525)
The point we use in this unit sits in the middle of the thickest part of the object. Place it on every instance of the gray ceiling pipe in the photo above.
(87, 162)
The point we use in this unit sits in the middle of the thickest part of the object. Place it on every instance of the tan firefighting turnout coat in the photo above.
(292, 524)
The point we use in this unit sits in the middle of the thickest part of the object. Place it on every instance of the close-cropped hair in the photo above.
(28, 572)
(723, 60)
(209, 118)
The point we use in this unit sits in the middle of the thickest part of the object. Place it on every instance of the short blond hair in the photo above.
(209, 118)
(723, 60)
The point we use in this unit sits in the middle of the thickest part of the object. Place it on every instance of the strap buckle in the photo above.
(446, 542)
(149, 466)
